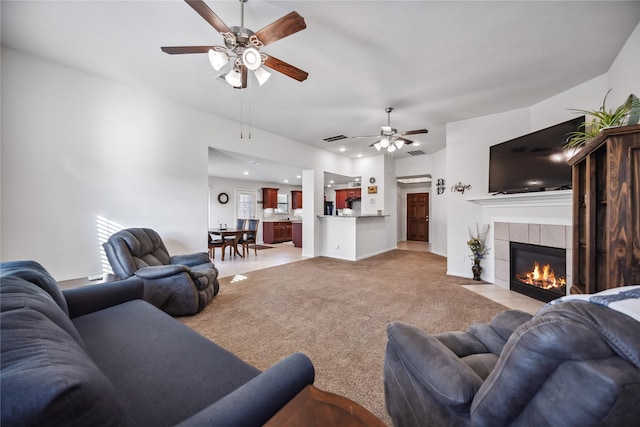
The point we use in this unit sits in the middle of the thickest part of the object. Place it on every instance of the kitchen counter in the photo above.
(352, 216)
(354, 237)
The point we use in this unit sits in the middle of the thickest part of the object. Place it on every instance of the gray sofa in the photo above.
(575, 363)
(99, 355)
(180, 285)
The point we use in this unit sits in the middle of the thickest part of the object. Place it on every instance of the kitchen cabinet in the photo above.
(269, 198)
(345, 194)
(297, 234)
(341, 199)
(296, 199)
(277, 232)
(606, 211)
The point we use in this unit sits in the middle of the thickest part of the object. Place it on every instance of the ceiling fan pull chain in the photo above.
(250, 110)
(241, 113)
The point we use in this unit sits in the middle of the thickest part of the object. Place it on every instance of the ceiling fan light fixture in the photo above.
(217, 59)
(384, 142)
(377, 146)
(391, 148)
(399, 143)
(234, 78)
(251, 58)
(262, 75)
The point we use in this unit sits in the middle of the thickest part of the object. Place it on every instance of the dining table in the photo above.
(236, 233)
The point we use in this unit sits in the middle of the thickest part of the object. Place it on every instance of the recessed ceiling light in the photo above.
(357, 179)
(286, 180)
(342, 149)
(359, 155)
(246, 172)
(416, 144)
(298, 176)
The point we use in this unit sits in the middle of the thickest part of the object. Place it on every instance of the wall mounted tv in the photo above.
(533, 162)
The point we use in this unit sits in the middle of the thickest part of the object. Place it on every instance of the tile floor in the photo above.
(284, 253)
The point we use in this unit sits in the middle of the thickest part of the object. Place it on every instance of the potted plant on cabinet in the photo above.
(478, 246)
(626, 114)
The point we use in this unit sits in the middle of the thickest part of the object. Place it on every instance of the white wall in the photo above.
(76, 147)
(624, 75)
(372, 167)
(467, 162)
(438, 205)
(414, 165)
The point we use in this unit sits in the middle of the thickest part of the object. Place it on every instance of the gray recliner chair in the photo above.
(575, 363)
(180, 285)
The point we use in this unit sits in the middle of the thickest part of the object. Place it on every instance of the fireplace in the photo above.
(537, 271)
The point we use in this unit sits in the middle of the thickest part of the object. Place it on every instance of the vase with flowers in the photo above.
(478, 246)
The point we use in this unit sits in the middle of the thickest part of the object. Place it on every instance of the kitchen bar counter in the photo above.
(354, 237)
(352, 216)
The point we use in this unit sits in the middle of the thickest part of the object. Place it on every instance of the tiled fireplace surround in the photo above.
(555, 236)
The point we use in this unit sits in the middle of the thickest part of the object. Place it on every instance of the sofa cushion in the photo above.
(164, 371)
(35, 273)
(52, 380)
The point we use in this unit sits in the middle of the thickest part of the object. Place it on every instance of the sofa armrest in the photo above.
(255, 402)
(87, 299)
(431, 364)
(191, 259)
(160, 271)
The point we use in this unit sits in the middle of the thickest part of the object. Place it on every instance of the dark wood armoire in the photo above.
(606, 211)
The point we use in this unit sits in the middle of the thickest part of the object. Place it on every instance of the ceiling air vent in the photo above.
(334, 138)
(416, 153)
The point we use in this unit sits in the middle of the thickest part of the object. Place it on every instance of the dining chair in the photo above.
(213, 244)
(219, 243)
(250, 237)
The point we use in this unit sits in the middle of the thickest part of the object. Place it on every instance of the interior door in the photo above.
(418, 217)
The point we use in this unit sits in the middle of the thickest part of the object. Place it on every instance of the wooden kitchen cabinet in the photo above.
(277, 232)
(269, 198)
(341, 199)
(297, 234)
(296, 199)
(606, 211)
(343, 195)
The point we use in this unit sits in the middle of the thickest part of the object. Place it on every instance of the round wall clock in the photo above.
(372, 180)
(223, 198)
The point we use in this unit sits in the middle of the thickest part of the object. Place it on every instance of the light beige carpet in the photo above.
(336, 312)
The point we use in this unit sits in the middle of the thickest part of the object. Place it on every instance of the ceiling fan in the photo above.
(390, 138)
(242, 46)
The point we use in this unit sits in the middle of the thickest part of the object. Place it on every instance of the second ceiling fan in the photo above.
(242, 46)
(390, 138)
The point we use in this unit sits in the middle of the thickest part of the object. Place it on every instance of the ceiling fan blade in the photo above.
(406, 141)
(208, 15)
(286, 69)
(414, 132)
(281, 28)
(375, 142)
(177, 50)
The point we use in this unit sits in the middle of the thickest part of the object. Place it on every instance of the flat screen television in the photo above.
(533, 162)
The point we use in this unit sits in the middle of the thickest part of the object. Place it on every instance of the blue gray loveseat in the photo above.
(100, 355)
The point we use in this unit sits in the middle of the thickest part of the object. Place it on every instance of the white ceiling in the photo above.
(434, 61)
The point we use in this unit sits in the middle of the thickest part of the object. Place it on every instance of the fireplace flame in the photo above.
(543, 277)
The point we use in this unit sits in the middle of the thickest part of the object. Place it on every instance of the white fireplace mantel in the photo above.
(535, 199)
